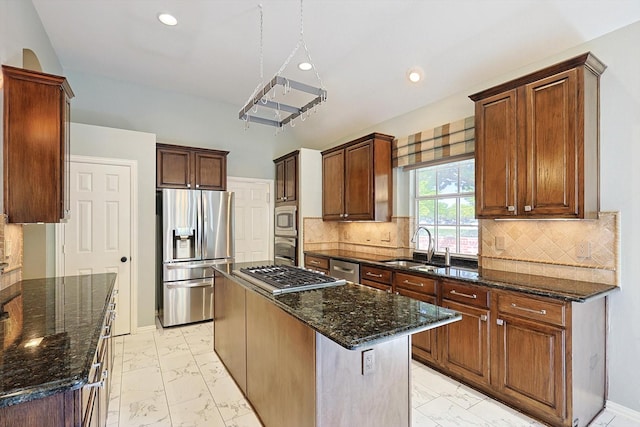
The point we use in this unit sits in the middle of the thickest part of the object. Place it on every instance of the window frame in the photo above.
(433, 228)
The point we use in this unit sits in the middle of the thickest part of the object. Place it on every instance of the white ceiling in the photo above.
(361, 48)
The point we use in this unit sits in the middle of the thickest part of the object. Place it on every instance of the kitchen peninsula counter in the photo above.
(333, 356)
(569, 290)
(49, 332)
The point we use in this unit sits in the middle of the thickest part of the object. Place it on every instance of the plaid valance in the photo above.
(436, 145)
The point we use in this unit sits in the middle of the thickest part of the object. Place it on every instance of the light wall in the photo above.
(98, 141)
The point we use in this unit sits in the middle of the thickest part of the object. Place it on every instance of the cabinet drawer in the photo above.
(531, 308)
(311, 261)
(377, 285)
(419, 284)
(376, 274)
(466, 294)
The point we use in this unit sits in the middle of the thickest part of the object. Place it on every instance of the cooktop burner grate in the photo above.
(285, 278)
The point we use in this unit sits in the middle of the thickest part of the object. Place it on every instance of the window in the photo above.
(445, 204)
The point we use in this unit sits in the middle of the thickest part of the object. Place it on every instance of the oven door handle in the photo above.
(284, 258)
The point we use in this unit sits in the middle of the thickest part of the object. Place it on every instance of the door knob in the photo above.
(123, 259)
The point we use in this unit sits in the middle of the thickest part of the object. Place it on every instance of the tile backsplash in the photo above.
(11, 248)
(586, 250)
(582, 250)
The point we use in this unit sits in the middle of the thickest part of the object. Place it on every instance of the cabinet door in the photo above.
(34, 144)
(280, 181)
(358, 185)
(423, 344)
(551, 153)
(333, 185)
(465, 344)
(173, 168)
(210, 171)
(290, 180)
(531, 366)
(496, 156)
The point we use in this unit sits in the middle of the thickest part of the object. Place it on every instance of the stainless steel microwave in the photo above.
(286, 221)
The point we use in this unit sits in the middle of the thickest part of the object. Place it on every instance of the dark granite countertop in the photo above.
(551, 287)
(352, 315)
(49, 331)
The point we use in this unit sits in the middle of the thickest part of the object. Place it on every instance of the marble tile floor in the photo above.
(171, 377)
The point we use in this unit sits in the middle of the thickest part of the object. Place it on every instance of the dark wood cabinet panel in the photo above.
(287, 178)
(190, 168)
(357, 180)
(210, 171)
(537, 143)
(530, 364)
(36, 146)
(229, 336)
(465, 344)
(333, 185)
(424, 345)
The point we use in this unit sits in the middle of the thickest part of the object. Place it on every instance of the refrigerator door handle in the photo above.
(198, 284)
(180, 267)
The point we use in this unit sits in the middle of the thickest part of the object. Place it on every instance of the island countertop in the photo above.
(352, 315)
(49, 331)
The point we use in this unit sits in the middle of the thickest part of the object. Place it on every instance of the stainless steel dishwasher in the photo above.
(349, 271)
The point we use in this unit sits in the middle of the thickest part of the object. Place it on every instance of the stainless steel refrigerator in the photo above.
(196, 232)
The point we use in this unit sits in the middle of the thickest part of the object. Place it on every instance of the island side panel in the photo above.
(280, 365)
(346, 397)
(229, 328)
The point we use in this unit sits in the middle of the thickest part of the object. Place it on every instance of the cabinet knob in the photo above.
(188, 185)
(346, 215)
(197, 185)
(527, 208)
(499, 322)
(123, 259)
(284, 198)
(511, 208)
(341, 215)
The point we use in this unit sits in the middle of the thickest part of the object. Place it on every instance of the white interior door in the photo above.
(97, 237)
(253, 219)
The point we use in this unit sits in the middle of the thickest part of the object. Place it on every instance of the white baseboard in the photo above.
(623, 411)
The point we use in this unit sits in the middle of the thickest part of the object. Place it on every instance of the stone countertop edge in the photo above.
(77, 378)
(449, 316)
(509, 281)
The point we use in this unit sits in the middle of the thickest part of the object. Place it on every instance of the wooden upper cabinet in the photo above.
(537, 143)
(357, 180)
(287, 178)
(190, 168)
(36, 146)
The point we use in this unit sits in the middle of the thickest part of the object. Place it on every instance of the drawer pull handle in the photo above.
(370, 274)
(314, 262)
(529, 310)
(406, 282)
(472, 296)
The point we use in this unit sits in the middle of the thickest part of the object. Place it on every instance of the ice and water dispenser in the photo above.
(184, 243)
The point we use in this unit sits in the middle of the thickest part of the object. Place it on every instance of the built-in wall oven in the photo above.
(286, 221)
(286, 235)
(285, 250)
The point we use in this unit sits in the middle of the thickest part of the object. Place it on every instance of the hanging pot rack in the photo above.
(264, 96)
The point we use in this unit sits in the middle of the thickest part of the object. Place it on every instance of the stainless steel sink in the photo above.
(404, 263)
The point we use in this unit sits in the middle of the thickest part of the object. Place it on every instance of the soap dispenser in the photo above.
(447, 257)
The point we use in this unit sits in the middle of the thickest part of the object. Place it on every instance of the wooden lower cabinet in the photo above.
(315, 263)
(423, 344)
(542, 356)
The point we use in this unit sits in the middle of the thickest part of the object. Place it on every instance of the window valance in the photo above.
(449, 141)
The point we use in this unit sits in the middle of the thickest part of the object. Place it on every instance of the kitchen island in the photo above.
(55, 350)
(336, 356)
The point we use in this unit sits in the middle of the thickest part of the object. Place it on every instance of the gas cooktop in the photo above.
(279, 279)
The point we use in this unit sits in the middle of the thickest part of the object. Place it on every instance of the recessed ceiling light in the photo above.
(414, 74)
(167, 19)
(305, 66)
